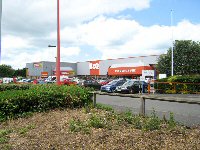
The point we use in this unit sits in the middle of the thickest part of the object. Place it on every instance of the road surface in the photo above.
(187, 114)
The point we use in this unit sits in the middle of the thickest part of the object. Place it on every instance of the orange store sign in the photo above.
(44, 74)
(94, 67)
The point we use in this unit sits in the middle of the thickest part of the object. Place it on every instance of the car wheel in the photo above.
(131, 91)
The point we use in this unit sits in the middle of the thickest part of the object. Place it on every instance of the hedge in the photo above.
(179, 84)
(41, 98)
(6, 87)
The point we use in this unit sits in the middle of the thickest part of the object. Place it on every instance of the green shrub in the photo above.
(7, 87)
(184, 84)
(41, 98)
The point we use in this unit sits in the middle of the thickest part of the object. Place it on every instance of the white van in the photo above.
(7, 80)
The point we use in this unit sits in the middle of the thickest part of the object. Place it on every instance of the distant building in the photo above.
(130, 67)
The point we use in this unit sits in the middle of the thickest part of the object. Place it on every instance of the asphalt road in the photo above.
(187, 114)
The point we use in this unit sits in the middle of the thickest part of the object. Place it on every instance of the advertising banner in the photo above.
(148, 73)
(37, 65)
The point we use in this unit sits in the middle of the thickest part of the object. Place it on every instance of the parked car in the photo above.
(104, 82)
(92, 83)
(111, 86)
(69, 82)
(136, 87)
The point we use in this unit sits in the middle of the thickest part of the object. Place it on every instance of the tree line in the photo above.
(8, 71)
(186, 57)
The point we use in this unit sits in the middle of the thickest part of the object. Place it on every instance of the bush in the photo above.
(7, 87)
(41, 98)
(182, 84)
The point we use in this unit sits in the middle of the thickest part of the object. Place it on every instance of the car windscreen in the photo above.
(128, 83)
(112, 82)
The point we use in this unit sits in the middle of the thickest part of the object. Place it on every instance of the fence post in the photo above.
(142, 107)
(149, 87)
(94, 99)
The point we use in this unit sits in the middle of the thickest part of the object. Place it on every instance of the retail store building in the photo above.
(130, 67)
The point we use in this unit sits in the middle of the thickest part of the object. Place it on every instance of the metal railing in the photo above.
(170, 98)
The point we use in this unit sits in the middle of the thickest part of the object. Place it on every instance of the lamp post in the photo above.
(58, 45)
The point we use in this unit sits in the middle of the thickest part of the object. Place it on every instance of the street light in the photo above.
(51, 46)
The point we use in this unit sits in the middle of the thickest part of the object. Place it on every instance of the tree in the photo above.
(186, 58)
(20, 72)
(6, 71)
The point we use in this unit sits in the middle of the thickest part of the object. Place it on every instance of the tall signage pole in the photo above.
(58, 45)
(172, 72)
(0, 27)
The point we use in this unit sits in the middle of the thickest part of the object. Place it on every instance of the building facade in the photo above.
(44, 69)
(131, 66)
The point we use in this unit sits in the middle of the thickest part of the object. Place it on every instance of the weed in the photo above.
(104, 107)
(24, 130)
(96, 121)
(3, 140)
(125, 117)
(77, 126)
(7, 147)
(171, 122)
(152, 123)
(4, 132)
(137, 122)
(86, 108)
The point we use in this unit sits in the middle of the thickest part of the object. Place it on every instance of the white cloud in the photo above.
(28, 26)
(14, 42)
(123, 37)
(19, 60)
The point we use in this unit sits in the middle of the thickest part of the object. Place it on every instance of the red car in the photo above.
(105, 82)
(69, 82)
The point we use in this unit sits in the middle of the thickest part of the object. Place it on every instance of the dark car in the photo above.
(125, 88)
(111, 86)
(138, 86)
(92, 83)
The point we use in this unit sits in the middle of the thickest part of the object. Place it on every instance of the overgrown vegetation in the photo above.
(98, 129)
(111, 120)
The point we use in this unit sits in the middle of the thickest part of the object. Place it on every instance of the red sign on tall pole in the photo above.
(58, 45)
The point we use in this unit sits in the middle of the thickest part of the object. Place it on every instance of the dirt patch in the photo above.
(50, 130)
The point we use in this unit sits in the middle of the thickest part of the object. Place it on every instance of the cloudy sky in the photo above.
(94, 29)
